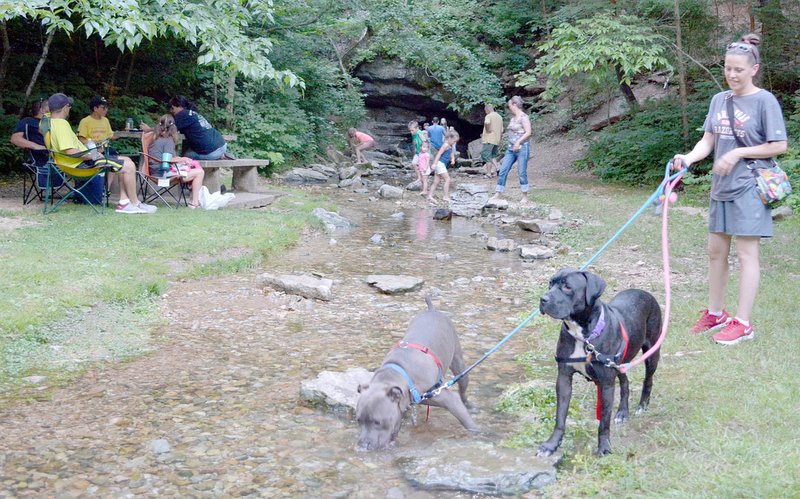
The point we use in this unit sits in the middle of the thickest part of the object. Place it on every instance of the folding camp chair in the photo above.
(76, 180)
(35, 175)
(153, 187)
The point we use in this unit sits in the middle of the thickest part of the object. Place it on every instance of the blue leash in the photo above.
(659, 190)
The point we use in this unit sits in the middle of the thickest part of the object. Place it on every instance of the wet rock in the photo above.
(348, 172)
(394, 284)
(497, 204)
(555, 214)
(476, 467)
(781, 213)
(538, 226)
(160, 446)
(414, 186)
(376, 239)
(333, 219)
(398, 216)
(468, 200)
(307, 286)
(390, 192)
(535, 252)
(306, 176)
(326, 170)
(496, 244)
(442, 214)
(442, 257)
(335, 392)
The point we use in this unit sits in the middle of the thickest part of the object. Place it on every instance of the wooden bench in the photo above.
(245, 171)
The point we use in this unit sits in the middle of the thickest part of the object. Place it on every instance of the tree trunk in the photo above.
(230, 96)
(626, 89)
(544, 8)
(130, 72)
(681, 77)
(38, 69)
(4, 61)
(751, 13)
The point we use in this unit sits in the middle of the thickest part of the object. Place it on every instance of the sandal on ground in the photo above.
(193, 206)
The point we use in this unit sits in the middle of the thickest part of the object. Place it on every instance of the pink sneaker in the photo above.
(708, 322)
(734, 332)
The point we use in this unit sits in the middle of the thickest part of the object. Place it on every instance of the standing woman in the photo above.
(204, 141)
(519, 149)
(736, 208)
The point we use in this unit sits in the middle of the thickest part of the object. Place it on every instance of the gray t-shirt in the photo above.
(758, 120)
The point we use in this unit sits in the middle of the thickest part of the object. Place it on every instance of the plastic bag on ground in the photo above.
(214, 201)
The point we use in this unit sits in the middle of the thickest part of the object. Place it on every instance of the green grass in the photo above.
(71, 268)
(722, 420)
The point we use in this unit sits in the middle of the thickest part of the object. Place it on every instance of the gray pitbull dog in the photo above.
(574, 298)
(415, 365)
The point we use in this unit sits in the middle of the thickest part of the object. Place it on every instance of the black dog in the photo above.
(596, 337)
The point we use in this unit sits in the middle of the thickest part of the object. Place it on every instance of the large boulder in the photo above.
(474, 149)
(390, 192)
(328, 171)
(394, 284)
(348, 172)
(468, 200)
(306, 176)
(335, 392)
(476, 467)
(304, 285)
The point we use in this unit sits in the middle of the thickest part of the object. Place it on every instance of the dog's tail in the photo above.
(430, 303)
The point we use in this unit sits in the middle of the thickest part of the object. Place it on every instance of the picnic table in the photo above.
(245, 171)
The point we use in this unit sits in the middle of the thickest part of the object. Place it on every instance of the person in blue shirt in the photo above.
(204, 141)
(445, 155)
(26, 134)
(436, 135)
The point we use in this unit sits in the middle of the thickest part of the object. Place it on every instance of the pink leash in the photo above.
(624, 368)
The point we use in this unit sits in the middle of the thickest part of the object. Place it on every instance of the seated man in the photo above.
(26, 134)
(96, 126)
(64, 140)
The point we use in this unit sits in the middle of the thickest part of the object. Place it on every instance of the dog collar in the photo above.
(599, 327)
(416, 398)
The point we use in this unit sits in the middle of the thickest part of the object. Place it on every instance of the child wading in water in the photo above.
(446, 154)
(416, 146)
(424, 167)
(166, 136)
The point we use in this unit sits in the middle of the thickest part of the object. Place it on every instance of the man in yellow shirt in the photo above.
(96, 126)
(492, 133)
(63, 140)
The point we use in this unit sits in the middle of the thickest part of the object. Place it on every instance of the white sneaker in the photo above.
(129, 209)
(148, 208)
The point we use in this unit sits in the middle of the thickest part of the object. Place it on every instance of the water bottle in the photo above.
(129, 124)
(165, 158)
(93, 152)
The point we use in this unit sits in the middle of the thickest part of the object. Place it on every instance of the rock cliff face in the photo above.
(396, 94)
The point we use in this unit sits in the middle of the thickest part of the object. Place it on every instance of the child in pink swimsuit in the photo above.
(424, 167)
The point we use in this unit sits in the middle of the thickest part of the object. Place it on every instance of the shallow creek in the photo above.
(222, 389)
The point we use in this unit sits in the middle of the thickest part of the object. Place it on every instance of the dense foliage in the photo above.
(281, 75)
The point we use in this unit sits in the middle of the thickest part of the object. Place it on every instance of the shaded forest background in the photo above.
(281, 75)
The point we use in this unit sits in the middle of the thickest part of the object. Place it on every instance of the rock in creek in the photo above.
(394, 284)
(333, 219)
(306, 176)
(535, 252)
(442, 214)
(348, 172)
(496, 244)
(497, 204)
(307, 286)
(468, 200)
(390, 192)
(335, 392)
(538, 226)
(326, 170)
(476, 467)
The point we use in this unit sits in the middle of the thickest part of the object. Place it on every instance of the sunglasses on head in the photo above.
(744, 47)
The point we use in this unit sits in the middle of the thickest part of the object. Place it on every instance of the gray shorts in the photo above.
(743, 216)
